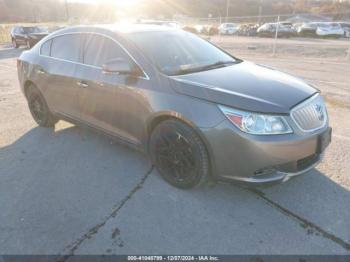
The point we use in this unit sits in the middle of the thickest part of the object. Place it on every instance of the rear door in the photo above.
(58, 72)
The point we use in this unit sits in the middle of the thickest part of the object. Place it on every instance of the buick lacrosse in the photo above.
(196, 110)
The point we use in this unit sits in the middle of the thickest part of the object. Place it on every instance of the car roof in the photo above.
(117, 28)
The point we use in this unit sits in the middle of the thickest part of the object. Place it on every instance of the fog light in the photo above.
(265, 171)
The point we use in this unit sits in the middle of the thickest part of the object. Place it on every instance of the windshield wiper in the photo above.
(204, 68)
(218, 64)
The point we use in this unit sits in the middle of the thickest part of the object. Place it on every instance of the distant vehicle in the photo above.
(346, 28)
(286, 24)
(201, 29)
(329, 30)
(296, 26)
(190, 29)
(160, 22)
(307, 29)
(228, 28)
(27, 35)
(210, 30)
(204, 29)
(269, 30)
(247, 30)
(321, 29)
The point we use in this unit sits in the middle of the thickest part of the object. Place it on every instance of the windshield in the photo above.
(329, 25)
(30, 30)
(179, 52)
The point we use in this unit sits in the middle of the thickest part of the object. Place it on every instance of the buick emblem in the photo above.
(319, 111)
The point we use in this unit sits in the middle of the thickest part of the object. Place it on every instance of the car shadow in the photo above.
(57, 184)
(315, 200)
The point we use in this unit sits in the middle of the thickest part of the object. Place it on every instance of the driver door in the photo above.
(108, 101)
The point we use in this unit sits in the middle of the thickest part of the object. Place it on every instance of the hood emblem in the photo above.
(319, 111)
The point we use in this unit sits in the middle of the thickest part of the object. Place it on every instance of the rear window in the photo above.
(31, 30)
(66, 47)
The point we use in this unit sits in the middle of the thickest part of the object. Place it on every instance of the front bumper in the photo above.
(258, 160)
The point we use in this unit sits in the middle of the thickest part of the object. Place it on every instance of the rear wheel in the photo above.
(39, 109)
(179, 154)
(28, 44)
(14, 43)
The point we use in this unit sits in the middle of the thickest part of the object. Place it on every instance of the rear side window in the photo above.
(99, 49)
(66, 47)
(46, 48)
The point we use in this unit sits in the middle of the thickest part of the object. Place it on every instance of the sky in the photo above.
(119, 2)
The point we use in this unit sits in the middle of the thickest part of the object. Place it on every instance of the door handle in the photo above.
(82, 84)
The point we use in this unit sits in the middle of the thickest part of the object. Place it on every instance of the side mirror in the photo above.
(119, 66)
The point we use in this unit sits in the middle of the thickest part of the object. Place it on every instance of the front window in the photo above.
(179, 52)
(99, 49)
(66, 47)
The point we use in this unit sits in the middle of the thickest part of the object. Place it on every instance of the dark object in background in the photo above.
(27, 35)
(346, 28)
(307, 29)
(190, 29)
(269, 30)
(248, 30)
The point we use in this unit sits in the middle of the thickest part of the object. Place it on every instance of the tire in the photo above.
(179, 154)
(28, 44)
(14, 43)
(39, 109)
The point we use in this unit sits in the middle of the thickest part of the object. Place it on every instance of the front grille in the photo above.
(311, 114)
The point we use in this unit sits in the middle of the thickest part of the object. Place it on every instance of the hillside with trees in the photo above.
(104, 10)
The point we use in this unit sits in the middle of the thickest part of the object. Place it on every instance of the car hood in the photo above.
(246, 86)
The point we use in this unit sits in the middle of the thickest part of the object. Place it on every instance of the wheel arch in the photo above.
(28, 84)
(159, 117)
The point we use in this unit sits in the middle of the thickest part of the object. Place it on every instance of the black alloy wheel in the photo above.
(39, 109)
(179, 154)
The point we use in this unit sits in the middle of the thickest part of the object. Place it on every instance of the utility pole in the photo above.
(227, 9)
(67, 12)
(276, 36)
(260, 11)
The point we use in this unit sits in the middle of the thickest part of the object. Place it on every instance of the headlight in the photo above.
(255, 123)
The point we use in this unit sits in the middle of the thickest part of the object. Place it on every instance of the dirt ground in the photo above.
(72, 191)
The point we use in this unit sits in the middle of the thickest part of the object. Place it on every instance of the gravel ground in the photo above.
(73, 191)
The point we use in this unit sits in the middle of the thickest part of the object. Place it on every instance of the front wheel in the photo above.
(39, 109)
(179, 154)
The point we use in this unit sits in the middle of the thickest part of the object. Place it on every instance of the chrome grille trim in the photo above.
(306, 117)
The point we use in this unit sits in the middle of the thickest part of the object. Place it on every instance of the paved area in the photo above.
(73, 191)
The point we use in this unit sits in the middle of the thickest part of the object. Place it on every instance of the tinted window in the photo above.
(98, 50)
(45, 48)
(66, 47)
(31, 30)
(174, 51)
